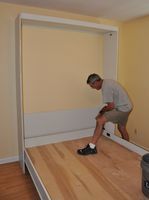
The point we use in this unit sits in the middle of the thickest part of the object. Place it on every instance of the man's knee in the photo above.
(101, 121)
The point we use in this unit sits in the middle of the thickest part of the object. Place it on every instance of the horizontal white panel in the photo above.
(48, 139)
(38, 124)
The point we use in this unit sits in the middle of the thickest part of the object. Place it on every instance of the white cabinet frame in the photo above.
(110, 59)
(109, 49)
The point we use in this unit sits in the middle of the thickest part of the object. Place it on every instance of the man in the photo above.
(117, 109)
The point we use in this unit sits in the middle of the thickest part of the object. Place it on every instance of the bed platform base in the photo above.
(36, 179)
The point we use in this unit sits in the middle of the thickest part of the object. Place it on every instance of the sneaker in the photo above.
(87, 150)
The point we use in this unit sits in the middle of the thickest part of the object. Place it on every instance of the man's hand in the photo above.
(108, 107)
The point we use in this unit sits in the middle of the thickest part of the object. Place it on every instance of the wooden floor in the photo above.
(112, 174)
(14, 185)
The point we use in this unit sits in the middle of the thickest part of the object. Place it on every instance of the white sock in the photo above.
(92, 145)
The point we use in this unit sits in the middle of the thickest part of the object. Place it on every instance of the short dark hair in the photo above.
(92, 78)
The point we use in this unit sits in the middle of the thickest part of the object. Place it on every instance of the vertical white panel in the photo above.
(20, 115)
(110, 65)
(110, 55)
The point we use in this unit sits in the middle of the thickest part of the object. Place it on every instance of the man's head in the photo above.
(95, 81)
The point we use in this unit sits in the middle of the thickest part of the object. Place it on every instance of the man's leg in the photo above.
(100, 121)
(91, 147)
(122, 129)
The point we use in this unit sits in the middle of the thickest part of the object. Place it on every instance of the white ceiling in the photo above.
(112, 9)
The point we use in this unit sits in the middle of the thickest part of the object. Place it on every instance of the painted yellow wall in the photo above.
(8, 119)
(133, 73)
(56, 63)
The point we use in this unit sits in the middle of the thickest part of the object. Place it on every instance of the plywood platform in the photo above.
(112, 174)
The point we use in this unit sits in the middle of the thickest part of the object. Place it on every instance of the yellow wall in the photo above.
(8, 119)
(56, 63)
(133, 72)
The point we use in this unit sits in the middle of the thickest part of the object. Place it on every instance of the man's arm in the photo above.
(108, 107)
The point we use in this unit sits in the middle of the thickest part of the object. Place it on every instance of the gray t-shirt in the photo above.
(112, 91)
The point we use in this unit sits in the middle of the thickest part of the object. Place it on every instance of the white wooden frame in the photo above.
(110, 56)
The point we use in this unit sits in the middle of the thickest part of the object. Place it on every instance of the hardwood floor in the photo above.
(112, 174)
(14, 185)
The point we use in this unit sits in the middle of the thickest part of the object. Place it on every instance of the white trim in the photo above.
(9, 160)
(110, 51)
(126, 144)
(19, 91)
(69, 22)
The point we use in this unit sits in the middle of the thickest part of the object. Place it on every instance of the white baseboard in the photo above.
(126, 144)
(42, 140)
(9, 160)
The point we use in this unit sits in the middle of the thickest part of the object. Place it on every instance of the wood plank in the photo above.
(14, 185)
(113, 173)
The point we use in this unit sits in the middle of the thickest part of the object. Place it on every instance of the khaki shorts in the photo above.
(117, 117)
